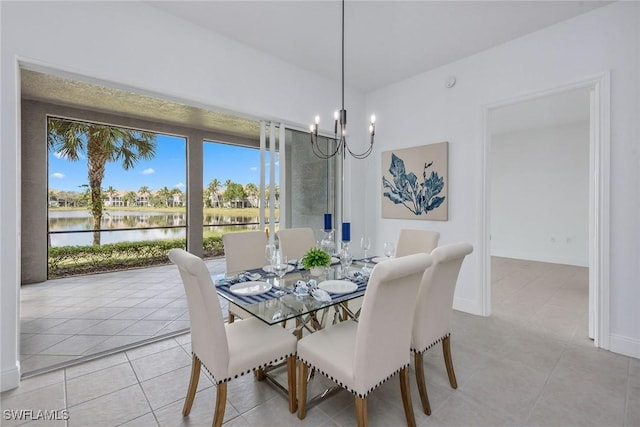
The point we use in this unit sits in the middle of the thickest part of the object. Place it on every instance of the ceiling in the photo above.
(385, 42)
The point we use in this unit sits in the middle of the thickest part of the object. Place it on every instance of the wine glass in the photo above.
(280, 268)
(389, 249)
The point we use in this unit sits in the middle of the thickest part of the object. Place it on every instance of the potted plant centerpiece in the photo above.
(316, 260)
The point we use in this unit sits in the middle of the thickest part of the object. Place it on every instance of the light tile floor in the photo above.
(529, 364)
(66, 320)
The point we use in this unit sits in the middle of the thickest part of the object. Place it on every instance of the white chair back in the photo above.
(295, 242)
(416, 241)
(208, 336)
(435, 300)
(384, 326)
(244, 251)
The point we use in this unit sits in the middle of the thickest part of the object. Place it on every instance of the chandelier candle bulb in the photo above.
(327, 222)
(346, 231)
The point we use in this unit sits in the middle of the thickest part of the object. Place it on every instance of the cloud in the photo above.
(57, 175)
(148, 171)
(58, 155)
(253, 168)
(179, 185)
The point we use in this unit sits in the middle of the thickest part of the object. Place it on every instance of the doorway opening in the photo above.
(546, 166)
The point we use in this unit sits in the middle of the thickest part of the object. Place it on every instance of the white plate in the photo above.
(250, 288)
(379, 259)
(338, 286)
(269, 269)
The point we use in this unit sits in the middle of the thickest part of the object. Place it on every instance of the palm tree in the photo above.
(130, 198)
(165, 195)
(213, 188)
(252, 193)
(100, 144)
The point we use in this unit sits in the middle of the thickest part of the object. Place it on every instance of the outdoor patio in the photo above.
(66, 320)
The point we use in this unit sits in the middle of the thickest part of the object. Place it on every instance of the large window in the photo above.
(231, 188)
(108, 185)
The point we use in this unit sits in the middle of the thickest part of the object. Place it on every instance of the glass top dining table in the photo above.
(281, 303)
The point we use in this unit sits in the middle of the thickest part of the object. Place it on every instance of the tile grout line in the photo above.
(542, 389)
(141, 389)
(66, 398)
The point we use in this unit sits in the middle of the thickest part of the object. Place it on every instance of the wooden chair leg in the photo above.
(361, 412)
(303, 371)
(291, 379)
(232, 317)
(422, 388)
(448, 361)
(259, 374)
(193, 385)
(221, 401)
(406, 397)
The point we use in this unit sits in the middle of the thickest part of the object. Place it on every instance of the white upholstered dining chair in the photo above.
(416, 241)
(295, 242)
(360, 356)
(432, 318)
(227, 351)
(243, 251)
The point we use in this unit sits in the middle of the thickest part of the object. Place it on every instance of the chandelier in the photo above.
(340, 125)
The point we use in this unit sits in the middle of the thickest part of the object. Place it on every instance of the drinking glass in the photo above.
(345, 260)
(365, 245)
(389, 249)
(270, 254)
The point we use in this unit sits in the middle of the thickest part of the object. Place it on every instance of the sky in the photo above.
(168, 168)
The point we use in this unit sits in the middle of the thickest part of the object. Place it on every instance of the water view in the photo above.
(67, 224)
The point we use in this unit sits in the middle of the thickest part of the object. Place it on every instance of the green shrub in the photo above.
(73, 260)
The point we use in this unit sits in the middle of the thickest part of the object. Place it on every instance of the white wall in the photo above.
(137, 47)
(421, 110)
(540, 194)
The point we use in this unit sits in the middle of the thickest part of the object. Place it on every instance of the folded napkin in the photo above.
(242, 277)
(321, 295)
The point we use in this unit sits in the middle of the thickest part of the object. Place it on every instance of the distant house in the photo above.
(115, 199)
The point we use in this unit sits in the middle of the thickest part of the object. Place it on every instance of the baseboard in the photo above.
(624, 345)
(10, 378)
(467, 305)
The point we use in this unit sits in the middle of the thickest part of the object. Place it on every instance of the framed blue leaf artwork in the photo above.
(415, 183)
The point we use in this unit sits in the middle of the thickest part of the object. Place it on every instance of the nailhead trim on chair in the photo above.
(216, 382)
(361, 396)
(448, 334)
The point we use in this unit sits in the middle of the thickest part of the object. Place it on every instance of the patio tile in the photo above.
(38, 325)
(166, 314)
(134, 313)
(50, 397)
(72, 326)
(102, 313)
(113, 342)
(126, 302)
(108, 327)
(36, 343)
(75, 345)
(41, 361)
(145, 327)
(175, 326)
(156, 302)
